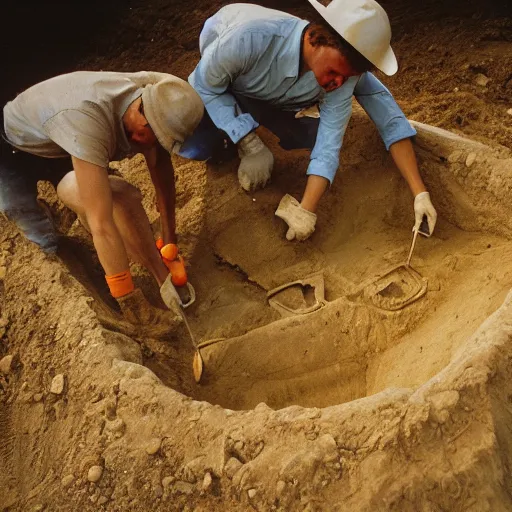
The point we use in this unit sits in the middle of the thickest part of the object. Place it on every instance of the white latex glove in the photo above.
(423, 206)
(256, 163)
(301, 222)
(170, 296)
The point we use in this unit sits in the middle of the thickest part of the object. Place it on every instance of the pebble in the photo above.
(158, 491)
(470, 159)
(482, 80)
(232, 466)
(102, 500)
(38, 397)
(251, 493)
(57, 386)
(167, 481)
(94, 473)
(115, 425)
(509, 111)
(183, 487)
(6, 364)
(207, 481)
(67, 481)
(153, 446)
(281, 484)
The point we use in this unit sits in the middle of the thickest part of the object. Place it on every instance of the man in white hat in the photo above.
(262, 66)
(82, 121)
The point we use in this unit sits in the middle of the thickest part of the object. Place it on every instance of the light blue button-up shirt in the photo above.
(255, 52)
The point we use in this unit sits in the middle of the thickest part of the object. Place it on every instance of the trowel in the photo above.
(173, 302)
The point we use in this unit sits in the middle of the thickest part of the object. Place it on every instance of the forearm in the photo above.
(405, 159)
(315, 188)
(162, 175)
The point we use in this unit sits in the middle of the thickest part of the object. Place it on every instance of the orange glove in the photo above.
(173, 261)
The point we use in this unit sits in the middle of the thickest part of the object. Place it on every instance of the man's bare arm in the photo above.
(161, 171)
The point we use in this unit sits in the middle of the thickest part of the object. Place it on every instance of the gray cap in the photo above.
(173, 110)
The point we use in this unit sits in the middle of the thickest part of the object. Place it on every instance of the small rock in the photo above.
(470, 159)
(281, 484)
(94, 473)
(251, 493)
(102, 500)
(6, 364)
(482, 80)
(207, 481)
(509, 111)
(57, 386)
(38, 397)
(455, 156)
(67, 481)
(116, 425)
(232, 466)
(153, 446)
(183, 487)
(38, 508)
(158, 491)
(455, 89)
(167, 481)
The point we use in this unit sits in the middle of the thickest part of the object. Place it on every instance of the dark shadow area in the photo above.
(42, 39)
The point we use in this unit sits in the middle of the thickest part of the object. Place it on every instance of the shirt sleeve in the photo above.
(222, 61)
(382, 109)
(81, 135)
(335, 112)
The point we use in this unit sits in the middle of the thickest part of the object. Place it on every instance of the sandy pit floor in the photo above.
(368, 387)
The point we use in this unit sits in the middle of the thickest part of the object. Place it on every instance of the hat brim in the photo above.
(161, 134)
(388, 64)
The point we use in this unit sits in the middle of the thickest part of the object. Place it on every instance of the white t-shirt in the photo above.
(78, 114)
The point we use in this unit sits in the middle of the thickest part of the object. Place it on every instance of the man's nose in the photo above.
(340, 80)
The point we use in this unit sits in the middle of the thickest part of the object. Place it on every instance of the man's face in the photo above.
(330, 67)
(140, 133)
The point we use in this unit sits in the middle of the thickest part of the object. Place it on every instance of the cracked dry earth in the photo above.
(383, 398)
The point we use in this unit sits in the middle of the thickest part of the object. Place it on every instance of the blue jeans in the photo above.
(19, 174)
(208, 141)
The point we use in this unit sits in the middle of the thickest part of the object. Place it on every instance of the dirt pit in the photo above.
(376, 323)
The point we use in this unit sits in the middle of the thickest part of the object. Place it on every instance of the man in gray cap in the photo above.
(82, 121)
(262, 66)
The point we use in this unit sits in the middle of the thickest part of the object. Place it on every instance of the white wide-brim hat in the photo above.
(364, 24)
(173, 110)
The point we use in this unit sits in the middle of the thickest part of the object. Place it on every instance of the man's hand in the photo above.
(170, 296)
(173, 261)
(256, 163)
(301, 222)
(423, 206)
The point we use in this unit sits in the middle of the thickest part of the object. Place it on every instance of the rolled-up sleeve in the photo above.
(222, 61)
(383, 110)
(335, 112)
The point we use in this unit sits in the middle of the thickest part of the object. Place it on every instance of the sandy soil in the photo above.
(395, 369)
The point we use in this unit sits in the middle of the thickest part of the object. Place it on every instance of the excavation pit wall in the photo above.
(444, 416)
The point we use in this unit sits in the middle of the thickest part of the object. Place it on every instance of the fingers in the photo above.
(431, 219)
(290, 234)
